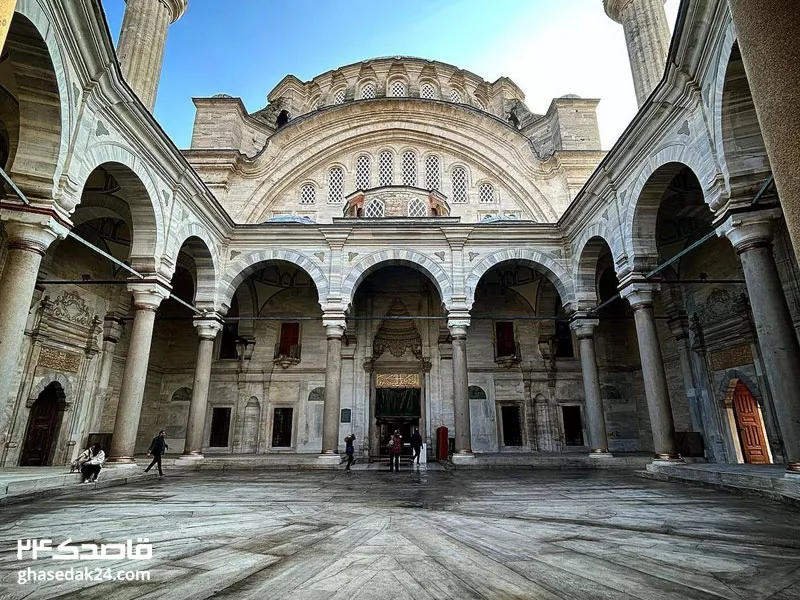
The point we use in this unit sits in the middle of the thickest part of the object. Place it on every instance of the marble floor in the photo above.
(437, 534)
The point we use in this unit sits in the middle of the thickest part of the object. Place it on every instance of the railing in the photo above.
(292, 353)
(505, 357)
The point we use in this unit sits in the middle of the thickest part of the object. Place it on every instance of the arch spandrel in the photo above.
(206, 260)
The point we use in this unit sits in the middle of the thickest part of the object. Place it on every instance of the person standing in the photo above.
(157, 447)
(395, 448)
(416, 445)
(349, 450)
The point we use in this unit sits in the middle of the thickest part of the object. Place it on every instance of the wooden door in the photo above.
(42, 430)
(751, 429)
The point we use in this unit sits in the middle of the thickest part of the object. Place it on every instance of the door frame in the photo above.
(733, 423)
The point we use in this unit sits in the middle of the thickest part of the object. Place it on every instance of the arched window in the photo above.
(476, 393)
(338, 96)
(335, 185)
(374, 209)
(397, 89)
(427, 91)
(417, 208)
(433, 178)
(308, 194)
(410, 169)
(480, 104)
(486, 193)
(455, 96)
(385, 168)
(368, 91)
(459, 184)
(363, 172)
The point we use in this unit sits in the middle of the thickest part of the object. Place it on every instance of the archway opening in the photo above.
(44, 423)
(744, 413)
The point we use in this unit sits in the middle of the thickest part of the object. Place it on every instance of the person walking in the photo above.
(416, 445)
(157, 448)
(395, 448)
(349, 450)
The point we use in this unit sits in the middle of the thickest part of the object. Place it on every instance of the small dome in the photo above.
(291, 219)
(575, 96)
(499, 218)
(222, 96)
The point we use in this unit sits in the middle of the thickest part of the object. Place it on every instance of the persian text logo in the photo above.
(66, 550)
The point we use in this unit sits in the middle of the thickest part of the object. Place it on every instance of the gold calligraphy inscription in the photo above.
(59, 360)
(397, 380)
(731, 357)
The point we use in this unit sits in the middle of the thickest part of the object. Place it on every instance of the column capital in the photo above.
(749, 230)
(334, 322)
(29, 230)
(638, 291)
(208, 325)
(583, 326)
(176, 8)
(458, 329)
(112, 328)
(148, 293)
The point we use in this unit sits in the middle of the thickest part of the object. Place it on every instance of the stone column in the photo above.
(147, 296)
(112, 330)
(595, 417)
(679, 326)
(640, 297)
(770, 48)
(334, 331)
(29, 236)
(208, 326)
(458, 331)
(751, 236)
(141, 43)
(647, 37)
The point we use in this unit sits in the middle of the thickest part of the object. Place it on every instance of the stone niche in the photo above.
(396, 201)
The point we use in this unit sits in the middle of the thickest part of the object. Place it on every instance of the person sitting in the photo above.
(91, 468)
(83, 457)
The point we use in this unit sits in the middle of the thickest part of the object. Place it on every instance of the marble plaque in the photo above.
(397, 380)
(59, 360)
(731, 357)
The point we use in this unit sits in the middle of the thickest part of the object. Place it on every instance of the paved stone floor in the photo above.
(479, 534)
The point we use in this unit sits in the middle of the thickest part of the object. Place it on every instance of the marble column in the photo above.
(767, 34)
(640, 297)
(112, 330)
(29, 236)
(333, 388)
(147, 296)
(751, 236)
(463, 435)
(595, 416)
(208, 326)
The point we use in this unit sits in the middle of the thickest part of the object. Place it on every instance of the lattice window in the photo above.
(363, 172)
(410, 169)
(398, 89)
(455, 96)
(459, 184)
(335, 185)
(338, 96)
(308, 194)
(368, 91)
(427, 91)
(374, 209)
(417, 208)
(385, 168)
(486, 193)
(480, 104)
(314, 105)
(433, 178)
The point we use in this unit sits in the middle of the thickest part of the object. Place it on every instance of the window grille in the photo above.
(486, 193)
(455, 96)
(308, 194)
(335, 185)
(338, 97)
(374, 209)
(433, 179)
(363, 172)
(314, 105)
(427, 91)
(417, 208)
(459, 184)
(480, 104)
(368, 91)
(398, 89)
(410, 169)
(385, 168)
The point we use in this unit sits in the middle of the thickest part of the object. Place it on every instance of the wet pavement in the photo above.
(436, 534)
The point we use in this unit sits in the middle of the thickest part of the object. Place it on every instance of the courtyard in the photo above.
(436, 534)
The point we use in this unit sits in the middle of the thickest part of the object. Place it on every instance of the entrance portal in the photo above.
(396, 408)
(750, 426)
(43, 425)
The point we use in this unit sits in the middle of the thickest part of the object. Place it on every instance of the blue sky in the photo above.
(244, 47)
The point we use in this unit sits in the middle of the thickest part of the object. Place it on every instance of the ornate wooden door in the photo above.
(748, 420)
(42, 430)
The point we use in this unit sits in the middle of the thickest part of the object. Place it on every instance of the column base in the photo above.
(463, 457)
(793, 471)
(191, 456)
(661, 458)
(328, 460)
(121, 460)
(600, 453)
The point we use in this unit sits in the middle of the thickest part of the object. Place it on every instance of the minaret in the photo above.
(141, 43)
(647, 37)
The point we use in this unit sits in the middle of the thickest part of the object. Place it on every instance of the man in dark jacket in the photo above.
(157, 448)
(416, 445)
